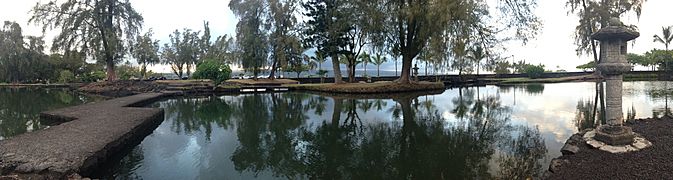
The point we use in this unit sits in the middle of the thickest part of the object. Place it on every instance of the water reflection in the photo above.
(463, 133)
(20, 107)
(298, 136)
(657, 93)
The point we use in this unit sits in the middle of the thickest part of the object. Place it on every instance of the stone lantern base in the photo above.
(615, 135)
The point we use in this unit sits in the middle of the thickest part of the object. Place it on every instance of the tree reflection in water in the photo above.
(660, 92)
(20, 107)
(422, 145)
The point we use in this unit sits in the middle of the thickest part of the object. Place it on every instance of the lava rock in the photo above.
(569, 149)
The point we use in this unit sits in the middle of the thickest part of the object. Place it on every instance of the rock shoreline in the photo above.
(581, 160)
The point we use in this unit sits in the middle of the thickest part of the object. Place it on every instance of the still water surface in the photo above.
(20, 107)
(467, 133)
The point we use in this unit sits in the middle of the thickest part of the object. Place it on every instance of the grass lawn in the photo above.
(378, 87)
(544, 80)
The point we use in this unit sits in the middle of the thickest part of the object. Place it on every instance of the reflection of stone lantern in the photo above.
(612, 65)
(416, 72)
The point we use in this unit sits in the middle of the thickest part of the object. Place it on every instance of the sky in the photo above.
(554, 46)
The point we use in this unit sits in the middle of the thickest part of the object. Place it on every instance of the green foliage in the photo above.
(252, 40)
(128, 72)
(321, 73)
(66, 76)
(590, 66)
(97, 28)
(94, 76)
(21, 60)
(213, 70)
(534, 71)
(636, 59)
(448, 25)
(594, 14)
(502, 67)
(661, 58)
(145, 50)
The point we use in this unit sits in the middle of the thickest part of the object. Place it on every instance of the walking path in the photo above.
(89, 135)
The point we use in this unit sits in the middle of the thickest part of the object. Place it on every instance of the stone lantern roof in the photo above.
(616, 32)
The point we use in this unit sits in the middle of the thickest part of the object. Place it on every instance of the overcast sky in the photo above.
(553, 46)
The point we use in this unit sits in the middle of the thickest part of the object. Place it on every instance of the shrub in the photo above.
(66, 76)
(534, 71)
(94, 76)
(213, 70)
(126, 72)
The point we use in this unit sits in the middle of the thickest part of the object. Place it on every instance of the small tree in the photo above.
(213, 70)
(378, 61)
(66, 76)
(365, 59)
(145, 50)
(534, 71)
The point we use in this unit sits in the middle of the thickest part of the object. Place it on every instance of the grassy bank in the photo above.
(641, 77)
(544, 80)
(370, 88)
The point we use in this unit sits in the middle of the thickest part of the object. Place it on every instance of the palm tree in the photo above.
(665, 39)
(378, 61)
(319, 58)
(365, 59)
(476, 54)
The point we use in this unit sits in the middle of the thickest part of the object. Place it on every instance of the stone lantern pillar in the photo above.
(612, 66)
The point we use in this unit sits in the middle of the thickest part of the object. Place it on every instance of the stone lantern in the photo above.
(612, 66)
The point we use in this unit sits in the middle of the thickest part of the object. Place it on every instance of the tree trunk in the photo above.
(272, 74)
(426, 67)
(378, 70)
(336, 69)
(143, 71)
(351, 75)
(395, 65)
(406, 69)
(365, 68)
(111, 73)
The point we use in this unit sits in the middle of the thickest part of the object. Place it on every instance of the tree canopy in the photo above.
(98, 28)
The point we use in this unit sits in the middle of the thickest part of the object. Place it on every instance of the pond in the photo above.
(505, 132)
(20, 107)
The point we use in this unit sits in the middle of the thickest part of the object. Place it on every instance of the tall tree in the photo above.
(666, 37)
(594, 14)
(95, 27)
(326, 30)
(477, 55)
(415, 22)
(21, 57)
(319, 58)
(251, 38)
(365, 59)
(284, 41)
(146, 51)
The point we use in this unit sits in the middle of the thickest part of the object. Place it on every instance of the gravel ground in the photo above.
(655, 162)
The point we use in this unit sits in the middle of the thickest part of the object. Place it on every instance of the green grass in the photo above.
(541, 80)
(229, 86)
(641, 77)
